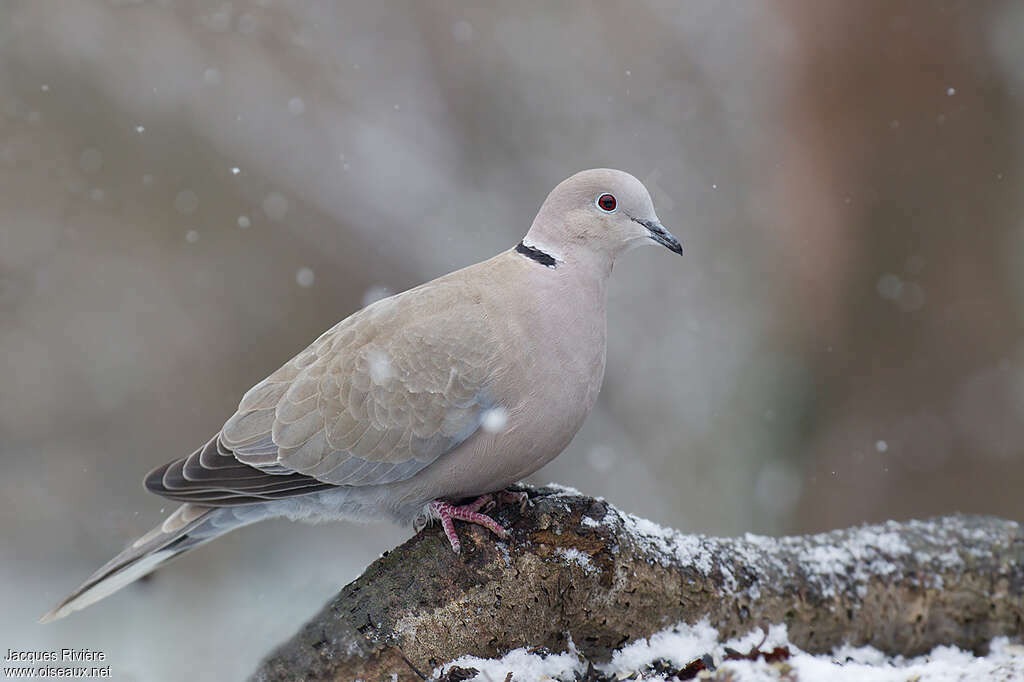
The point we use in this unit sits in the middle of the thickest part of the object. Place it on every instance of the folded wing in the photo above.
(374, 400)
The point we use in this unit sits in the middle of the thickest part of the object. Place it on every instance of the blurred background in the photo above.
(190, 192)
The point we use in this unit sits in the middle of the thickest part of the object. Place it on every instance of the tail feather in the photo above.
(188, 527)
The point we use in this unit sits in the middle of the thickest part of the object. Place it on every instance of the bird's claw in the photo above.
(475, 512)
(449, 513)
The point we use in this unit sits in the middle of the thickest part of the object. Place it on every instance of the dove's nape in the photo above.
(449, 391)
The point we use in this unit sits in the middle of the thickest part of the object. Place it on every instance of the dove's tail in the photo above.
(188, 527)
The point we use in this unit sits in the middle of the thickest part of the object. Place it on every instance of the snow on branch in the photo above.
(576, 574)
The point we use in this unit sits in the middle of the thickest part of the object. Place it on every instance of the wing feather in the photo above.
(374, 400)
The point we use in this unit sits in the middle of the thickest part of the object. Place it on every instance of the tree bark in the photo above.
(577, 567)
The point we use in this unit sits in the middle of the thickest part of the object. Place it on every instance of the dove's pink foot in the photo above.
(449, 513)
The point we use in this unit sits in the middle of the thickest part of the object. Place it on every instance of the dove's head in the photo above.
(597, 213)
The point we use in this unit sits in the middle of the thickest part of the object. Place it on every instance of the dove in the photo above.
(448, 392)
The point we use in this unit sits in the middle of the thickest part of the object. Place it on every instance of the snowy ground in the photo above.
(692, 652)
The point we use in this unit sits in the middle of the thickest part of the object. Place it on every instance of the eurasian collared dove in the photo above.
(454, 389)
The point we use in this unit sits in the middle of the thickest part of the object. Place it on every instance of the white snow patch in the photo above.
(523, 665)
(865, 554)
(581, 559)
(689, 550)
(778, 635)
(682, 644)
(950, 559)
(678, 645)
(564, 489)
(865, 664)
(506, 555)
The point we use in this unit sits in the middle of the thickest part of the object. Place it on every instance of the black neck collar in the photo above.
(533, 253)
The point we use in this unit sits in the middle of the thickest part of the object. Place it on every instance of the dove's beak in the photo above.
(658, 233)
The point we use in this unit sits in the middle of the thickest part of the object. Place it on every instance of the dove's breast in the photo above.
(549, 350)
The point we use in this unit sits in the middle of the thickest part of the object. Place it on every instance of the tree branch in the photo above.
(576, 566)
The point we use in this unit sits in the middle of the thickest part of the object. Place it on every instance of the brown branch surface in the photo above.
(576, 566)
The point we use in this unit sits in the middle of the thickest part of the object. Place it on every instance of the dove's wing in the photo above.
(374, 400)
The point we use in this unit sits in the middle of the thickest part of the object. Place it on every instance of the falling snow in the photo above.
(778, 486)
(889, 286)
(380, 366)
(211, 76)
(244, 222)
(275, 205)
(296, 107)
(186, 202)
(375, 293)
(601, 458)
(494, 419)
(192, 236)
(305, 277)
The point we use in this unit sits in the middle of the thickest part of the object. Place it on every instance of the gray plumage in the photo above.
(455, 388)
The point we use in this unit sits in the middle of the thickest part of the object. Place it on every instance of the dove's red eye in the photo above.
(606, 202)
